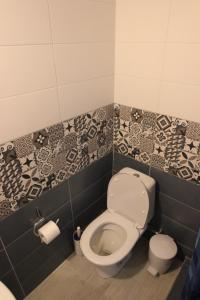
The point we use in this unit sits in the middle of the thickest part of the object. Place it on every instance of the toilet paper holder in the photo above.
(40, 221)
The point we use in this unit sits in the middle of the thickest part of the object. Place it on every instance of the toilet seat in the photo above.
(131, 231)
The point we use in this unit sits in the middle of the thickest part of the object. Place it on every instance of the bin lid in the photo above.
(163, 246)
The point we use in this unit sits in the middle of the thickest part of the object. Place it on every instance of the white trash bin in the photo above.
(162, 250)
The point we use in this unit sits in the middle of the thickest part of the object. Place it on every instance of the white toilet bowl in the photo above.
(5, 293)
(107, 241)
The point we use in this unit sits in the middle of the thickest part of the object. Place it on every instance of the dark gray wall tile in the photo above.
(91, 213)
(90, 175)
(31, 272)
(28, 242)
(184, 251)
(45, 270)
(120, 161)
(88, 197)
(180, 212)
(1, 245)
(177, 188)
(5, 266)
(22, 220)
(180, 233)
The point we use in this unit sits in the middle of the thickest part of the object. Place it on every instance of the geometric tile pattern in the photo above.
(37, 162)
(168, 143)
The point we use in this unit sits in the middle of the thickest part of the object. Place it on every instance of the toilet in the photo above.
(5, 293)
(108, 240)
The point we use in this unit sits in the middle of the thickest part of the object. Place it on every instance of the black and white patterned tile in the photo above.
(193, 131)
(24, 146)
(40, 138)
(35, 163)
(134, 133)
(168, 143)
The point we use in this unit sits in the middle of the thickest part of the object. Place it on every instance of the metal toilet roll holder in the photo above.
(40, 221)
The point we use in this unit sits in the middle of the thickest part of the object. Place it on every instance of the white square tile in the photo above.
(24, 22)
(82, 21)
(27, 113)
(180, 100)
(139, 59)
(24, 69)
(78, 98)
(76, 62)
(137, 92)
(184, 22)
(142, 20)
(182, 63)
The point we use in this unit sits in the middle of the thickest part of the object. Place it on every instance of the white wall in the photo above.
(158, 56)
(56, 61)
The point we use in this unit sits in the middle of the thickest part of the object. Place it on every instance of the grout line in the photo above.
(63, 43)
(156, 79)
(71, 206)
(92, 185)
(66, 120)
(106, 76)
(164, 56)
(180, 224)
(54, 60)
(6, 98)
(182, 203)
(31, 229)
(13, 269)
(38, 247)
(155, 42)
(97, 200)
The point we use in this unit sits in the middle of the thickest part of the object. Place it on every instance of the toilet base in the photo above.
(111, 271)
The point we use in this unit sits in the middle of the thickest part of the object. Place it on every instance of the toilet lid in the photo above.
(128, 196)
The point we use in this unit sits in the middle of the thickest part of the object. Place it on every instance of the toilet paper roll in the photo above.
(49, 232)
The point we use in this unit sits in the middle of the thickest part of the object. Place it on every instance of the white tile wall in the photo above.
(54, 51)
(141, 20)
(157, 64)
(27, 113)
(24, 22)
(82, 94)
(83, 21)
(25, 69)
(139, 59)
(145, 92)
(78, 62)
(50, 53)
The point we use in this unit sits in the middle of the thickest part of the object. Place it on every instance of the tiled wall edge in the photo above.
(37, 162)
(164, 142)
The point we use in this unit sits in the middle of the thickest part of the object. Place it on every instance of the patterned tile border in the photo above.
(168, 143)
(37, 162)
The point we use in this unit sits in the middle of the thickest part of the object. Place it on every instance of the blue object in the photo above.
(191, 290)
